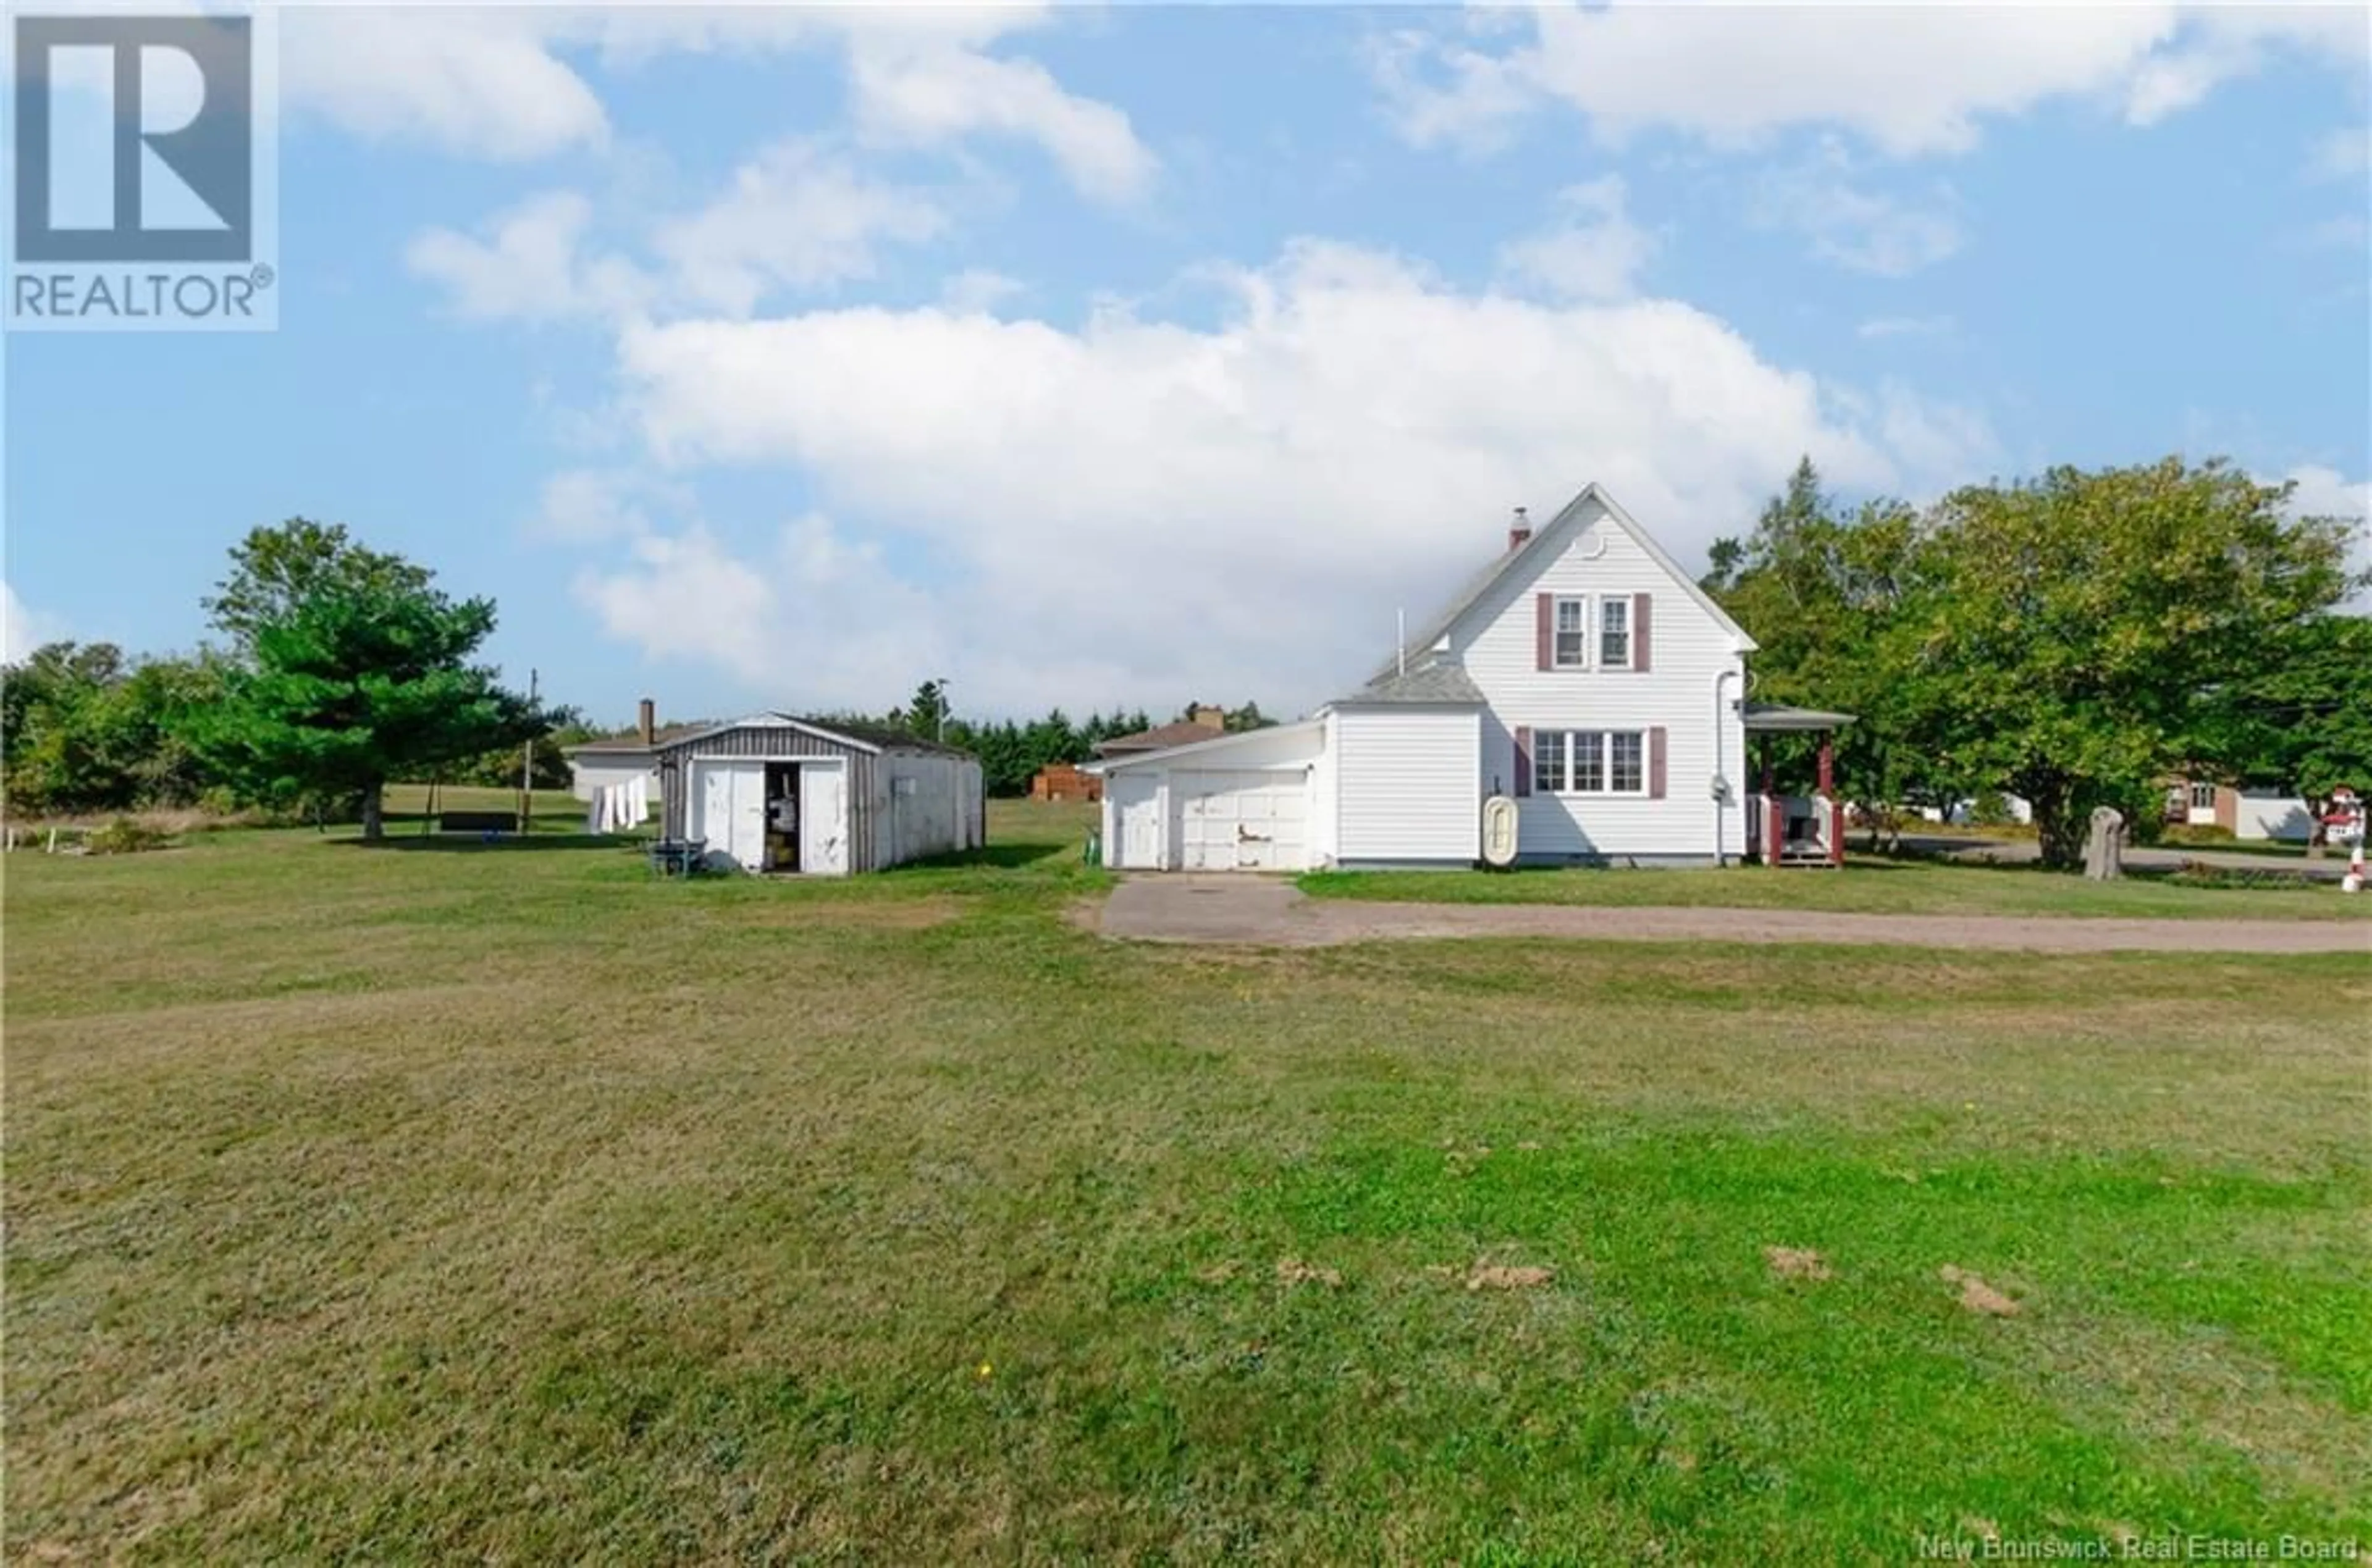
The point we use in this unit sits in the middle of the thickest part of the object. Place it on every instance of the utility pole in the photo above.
(527, 765)
(943, 710)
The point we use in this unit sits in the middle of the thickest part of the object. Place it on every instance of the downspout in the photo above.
(1720, 802)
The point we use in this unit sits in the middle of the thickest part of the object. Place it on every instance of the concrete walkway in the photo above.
(1269, 912)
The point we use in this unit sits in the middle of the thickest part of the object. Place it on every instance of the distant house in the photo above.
(2244, 814)
(598, 764)
(1201, 723)
(1582, 674)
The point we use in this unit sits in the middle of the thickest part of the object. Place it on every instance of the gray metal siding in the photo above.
(775, 742)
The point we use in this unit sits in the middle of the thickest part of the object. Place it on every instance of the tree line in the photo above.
(2074, 639)
(1012, 753)
(340, 668)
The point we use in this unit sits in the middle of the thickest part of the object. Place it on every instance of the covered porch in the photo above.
(1802, 829)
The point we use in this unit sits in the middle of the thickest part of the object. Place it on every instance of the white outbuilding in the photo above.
(822, 797)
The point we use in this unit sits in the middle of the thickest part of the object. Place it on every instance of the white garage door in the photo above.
(1242, 821)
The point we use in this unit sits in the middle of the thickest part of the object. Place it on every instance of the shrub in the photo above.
(2192, 874)
(2197, 833)
(1991, 809)
(124, 836)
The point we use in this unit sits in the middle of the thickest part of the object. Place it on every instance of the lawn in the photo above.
(451, 1201)
(1869, 886)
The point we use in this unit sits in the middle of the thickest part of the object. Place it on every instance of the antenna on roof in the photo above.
(1402, 642)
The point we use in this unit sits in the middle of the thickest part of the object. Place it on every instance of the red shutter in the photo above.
(1655, 759)
(1642, 626)
(1523, 759)
(1544, 612)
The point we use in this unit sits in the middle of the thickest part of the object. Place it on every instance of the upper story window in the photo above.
(1572, 634)
(1615, 633)
(2202, 797)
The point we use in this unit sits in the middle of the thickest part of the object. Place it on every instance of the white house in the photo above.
(597, 765)
(1582, 673)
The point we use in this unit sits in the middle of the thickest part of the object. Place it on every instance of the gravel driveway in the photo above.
(1271, 912)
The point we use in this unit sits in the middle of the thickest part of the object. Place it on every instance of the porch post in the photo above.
(1827, 762)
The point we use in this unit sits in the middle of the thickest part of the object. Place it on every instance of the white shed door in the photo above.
(1242, 821)
(733, 810)
(1136, 815)
(823, 820)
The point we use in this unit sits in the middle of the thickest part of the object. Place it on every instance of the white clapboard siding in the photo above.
(1497, 640)
(1408, 785)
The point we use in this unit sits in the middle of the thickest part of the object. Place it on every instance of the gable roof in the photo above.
(1213, 740)
(1437, 681)
(631, 745)
(1533, 551)
(863, 737)
(1160, 737)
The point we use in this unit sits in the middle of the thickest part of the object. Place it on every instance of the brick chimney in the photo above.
(647, 722)
(1519, 530)
(1207, 716)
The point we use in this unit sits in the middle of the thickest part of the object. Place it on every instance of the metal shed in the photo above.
(823, 798)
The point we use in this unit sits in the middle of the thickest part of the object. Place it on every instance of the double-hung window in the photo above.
(2202, 797)
(1589, 762)
(1548, 761)
(1626, 763)
(1614, 633)
(1573, 634)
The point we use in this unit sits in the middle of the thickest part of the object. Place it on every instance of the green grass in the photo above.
(415, 1205)
(1869, 885)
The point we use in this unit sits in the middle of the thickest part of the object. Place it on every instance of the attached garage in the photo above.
(781, 794)
(1234, 803)
(1241, 820)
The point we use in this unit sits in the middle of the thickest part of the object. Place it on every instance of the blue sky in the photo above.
(1100, 355)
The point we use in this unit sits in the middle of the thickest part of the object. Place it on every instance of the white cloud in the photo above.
(1853, 225)
(1595, 252)
(979, 291)
(934, 94)
(498, 83)
(476, 82)
(1880, 327)
(589, 505)
(812, 622)
(528, 263)
(799, 215)
(23, 628)
(2343, 154)
(1910, 79)
(1138, 506)
(2324, 491)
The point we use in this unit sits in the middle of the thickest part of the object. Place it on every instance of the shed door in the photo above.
(733, 811)
(1242, 821)
(1136, 815)
(823, 819)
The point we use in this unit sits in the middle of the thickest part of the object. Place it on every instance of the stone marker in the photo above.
(2104, 849)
